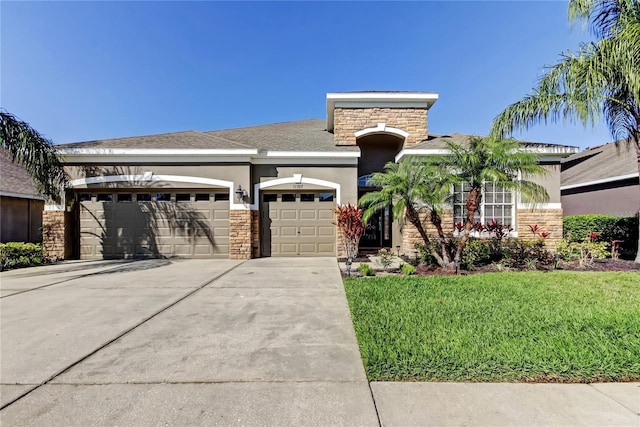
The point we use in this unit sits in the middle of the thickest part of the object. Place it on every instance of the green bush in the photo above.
(578, 227)
(582, 252)
(16, 255)
(605, 228)
(365, 269)
(407, 270)
(525, 253)
(478, 252)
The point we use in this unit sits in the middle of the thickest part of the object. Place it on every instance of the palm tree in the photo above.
(485, 160)
(411, 187)
(35, 152)
(601, 79)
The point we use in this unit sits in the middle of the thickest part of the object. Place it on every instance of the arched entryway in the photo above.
(376, 150)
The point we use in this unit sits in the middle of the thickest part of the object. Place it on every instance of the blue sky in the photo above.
(79, 71)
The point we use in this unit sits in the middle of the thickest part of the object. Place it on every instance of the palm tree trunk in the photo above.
(473, 201)
(436, 220)
(414, 218)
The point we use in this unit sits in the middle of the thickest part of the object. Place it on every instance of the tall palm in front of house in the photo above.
(414, 188)
(502, 162)
(601, 79)
(35, 152)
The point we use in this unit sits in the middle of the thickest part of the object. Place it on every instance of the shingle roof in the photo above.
(14, 179)
(187, 139)
(438, 141)
(302, 135)
(602, 162)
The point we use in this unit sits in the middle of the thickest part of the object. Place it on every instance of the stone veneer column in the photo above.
(549, 220)
(240, 236)
(347, 121)
(255, 233)
(53, 234)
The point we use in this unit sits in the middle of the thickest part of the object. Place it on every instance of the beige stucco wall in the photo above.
(550, 181)
(345, 176)
(238, 174)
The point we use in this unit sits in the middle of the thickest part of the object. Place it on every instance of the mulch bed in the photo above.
(427, 270)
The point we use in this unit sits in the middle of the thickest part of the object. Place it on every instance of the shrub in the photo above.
(577, 227)
(603, 228)
(386, 258)
(407, 270)
(582, 252)
(365, 269)
(525, 253)
(16, 255)
(477, 252)
(349, 222)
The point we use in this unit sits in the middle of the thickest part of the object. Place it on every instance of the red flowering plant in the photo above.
(349, 222)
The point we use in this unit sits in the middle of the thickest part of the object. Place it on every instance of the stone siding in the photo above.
(411, 236)
(53, 234)
(548, 220)
(255, 233)
(240, 235)
(347, 121)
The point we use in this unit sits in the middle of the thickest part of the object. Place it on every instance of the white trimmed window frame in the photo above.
(483, 219)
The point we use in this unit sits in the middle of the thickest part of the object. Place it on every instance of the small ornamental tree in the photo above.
(349, 222)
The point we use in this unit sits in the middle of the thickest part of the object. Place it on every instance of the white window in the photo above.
(497, 204)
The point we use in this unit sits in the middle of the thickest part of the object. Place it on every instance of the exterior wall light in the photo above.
(240, 193)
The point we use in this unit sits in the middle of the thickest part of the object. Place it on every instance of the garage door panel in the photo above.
(297, 228)
(326, 214)
(308, 248)
(288, 231)
(221, 215)
(326, 248)
(144, 229)
(288, 214)
(327, 231)
(288, 249)
(202, 249)
(308, 214)
(308, 231)
(221, 232)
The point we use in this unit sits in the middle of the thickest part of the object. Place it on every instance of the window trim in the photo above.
(483, 219)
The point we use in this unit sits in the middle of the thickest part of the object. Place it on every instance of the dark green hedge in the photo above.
(16, 255)
(607, 227)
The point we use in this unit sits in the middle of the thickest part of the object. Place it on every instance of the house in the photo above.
(602, 180)
(20, 203)
(263, 190)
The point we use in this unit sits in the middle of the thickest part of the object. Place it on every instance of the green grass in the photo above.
(532, 326)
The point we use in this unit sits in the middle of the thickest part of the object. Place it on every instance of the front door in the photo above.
(377, 232)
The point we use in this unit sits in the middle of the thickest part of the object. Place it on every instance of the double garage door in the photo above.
(297, 223)
(138, 224)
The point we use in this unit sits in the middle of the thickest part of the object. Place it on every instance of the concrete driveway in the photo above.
(261, 342)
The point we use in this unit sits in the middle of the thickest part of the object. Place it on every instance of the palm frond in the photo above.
(35, 152)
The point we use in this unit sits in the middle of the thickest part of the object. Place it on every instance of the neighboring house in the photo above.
(20, 203)
(264, 190)
(601, 180)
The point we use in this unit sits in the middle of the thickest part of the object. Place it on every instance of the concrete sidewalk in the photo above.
(507, 404)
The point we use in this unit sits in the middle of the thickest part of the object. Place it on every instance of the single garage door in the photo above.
(140, 224)
(297, 223)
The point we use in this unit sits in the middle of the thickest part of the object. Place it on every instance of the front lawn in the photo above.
(531, 326)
